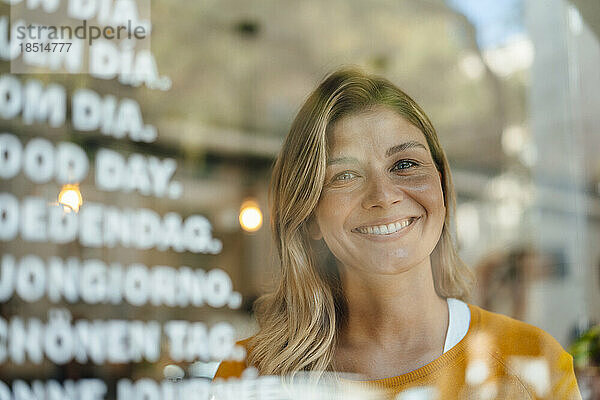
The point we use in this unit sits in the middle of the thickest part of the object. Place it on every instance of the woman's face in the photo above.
(382, 206)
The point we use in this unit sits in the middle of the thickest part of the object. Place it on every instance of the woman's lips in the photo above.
(386, 229)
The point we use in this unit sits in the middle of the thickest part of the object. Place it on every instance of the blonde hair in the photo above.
(299, 320)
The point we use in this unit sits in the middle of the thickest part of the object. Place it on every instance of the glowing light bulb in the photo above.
(70, 198)
(250, 216)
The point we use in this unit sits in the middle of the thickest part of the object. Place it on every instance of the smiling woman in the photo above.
(382, 206)
(362, 170)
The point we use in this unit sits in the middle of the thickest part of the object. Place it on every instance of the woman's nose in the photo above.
(380, 192)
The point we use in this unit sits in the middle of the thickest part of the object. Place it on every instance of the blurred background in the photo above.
(511, 86)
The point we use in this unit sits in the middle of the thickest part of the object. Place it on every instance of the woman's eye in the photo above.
(344, 176)
(403, 165)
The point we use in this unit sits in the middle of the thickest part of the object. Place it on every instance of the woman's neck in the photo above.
(399, 315)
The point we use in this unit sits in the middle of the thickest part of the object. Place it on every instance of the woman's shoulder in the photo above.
(231, 368)
(524, 351)
(512, 335)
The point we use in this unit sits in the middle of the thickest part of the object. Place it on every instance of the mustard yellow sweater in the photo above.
(499, 357)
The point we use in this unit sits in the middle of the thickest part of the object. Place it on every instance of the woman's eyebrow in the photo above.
(404, 146)
(341, 160)
(392, 150)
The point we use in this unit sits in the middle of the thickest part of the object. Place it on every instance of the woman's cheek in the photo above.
(335, 204)
(326, 208)
(429, 194)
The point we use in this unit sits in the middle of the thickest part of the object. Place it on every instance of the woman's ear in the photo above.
(313, 228)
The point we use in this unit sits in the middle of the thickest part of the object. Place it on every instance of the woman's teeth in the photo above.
(386, 229)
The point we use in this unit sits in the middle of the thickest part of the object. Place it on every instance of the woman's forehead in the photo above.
(374, 128)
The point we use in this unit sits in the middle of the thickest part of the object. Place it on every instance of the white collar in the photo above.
(459, 318)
